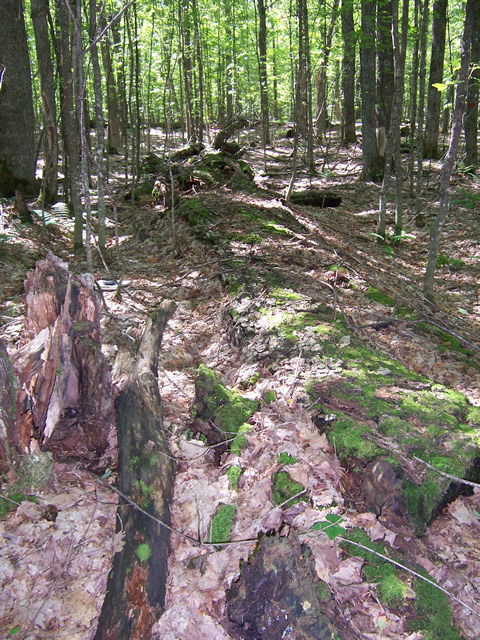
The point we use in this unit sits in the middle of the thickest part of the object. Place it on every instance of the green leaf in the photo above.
(143, 552)
(14, 631)
(330, 526)
(439, 86)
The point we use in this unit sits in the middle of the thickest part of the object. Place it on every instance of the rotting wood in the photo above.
(7, 410)
(136, 587)
(65, 402)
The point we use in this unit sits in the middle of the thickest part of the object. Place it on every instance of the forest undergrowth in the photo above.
(356, 377)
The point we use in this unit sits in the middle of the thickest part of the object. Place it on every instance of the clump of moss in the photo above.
(349, 438)
(269, 396)
(284, 488)
(285, 458)
(233, 474)
(222, 522)
(15, 498)
(432, 611)
(196, 212)
(377, 296)
(240, 442)
(228, 410)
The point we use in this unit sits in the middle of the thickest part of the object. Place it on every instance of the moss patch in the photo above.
(377, 296)
(233, 474)
(432, 613)
(222, 522)
(227, 409)
(283, 488)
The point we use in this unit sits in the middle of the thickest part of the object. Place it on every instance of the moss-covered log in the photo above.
(136, 587)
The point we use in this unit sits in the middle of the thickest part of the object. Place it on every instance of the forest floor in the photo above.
(301, 309)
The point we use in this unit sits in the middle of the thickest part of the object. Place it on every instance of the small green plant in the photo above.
(453, 263)
(330, 526)
(144, 552)
(270, 396)
(240, 441)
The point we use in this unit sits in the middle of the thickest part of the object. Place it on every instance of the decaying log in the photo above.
(136, 586)
(221, 139)
(7, 410)
(319, 199)
(65, 403)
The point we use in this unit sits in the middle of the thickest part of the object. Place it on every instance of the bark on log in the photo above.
(136, 587)
(65, 403)
(221, 139)
(7, 410)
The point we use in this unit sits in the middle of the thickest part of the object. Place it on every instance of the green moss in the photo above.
(350, 438)
(277, 229)
(253, 379)
(433, 616)
(283, 295)
(283, 488)
(240, 442)
(323, 591)
(377, 296)
(285, 458)
(248, 238)
(16, 496)
(233, 474)
(196, 212)
(392, 591)
(228, 410)
(270, 396)
(222, 522)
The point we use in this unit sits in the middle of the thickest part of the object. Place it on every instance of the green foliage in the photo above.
(16, 496)
(330, 526)
(283, 488)
(453, 263)
(222, 522)
(144, 552)
(270, 396)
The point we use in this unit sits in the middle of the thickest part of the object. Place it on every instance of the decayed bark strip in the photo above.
(136, 587)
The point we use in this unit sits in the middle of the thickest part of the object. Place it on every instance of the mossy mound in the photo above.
(378, 408)
(428, 609)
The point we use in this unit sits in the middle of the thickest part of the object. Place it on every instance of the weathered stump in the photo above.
(136, 587)
(65, 403)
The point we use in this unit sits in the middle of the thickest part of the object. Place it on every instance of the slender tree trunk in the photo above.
(447, 168)
(228, 60)
(39, 9)
(114, 133)
(186, 51)
(430, 146)
(99, 128)
(262, 70)
(471, 117)
(201, 84)
(70, 126)
(321, 75)
(412, 107)
(372, 165)
(348, 72)
(419, 215)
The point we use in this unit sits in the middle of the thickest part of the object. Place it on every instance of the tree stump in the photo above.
(136, 586)
(65, 403)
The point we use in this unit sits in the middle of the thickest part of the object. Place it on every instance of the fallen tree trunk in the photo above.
(136, 586)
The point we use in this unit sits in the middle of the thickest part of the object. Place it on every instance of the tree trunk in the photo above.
(8, 443)
(17, 147)
(439, 25)
(99, 127)
(321, 75)
(114, 132)
(372, 162)
(201, 88)
(471, 116)
(419, 216)
(447, 168)
(136, 587)
(70, 126)
(348, 72)
(385, 64)
(262, 70)
(39, 10)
